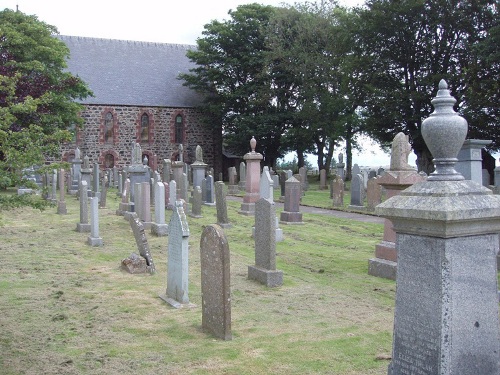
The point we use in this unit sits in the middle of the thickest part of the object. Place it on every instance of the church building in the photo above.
(138, 98)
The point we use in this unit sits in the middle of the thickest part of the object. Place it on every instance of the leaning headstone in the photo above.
(291, 213)
(221, 205)
(264, 270)
(159, 227)
(196, 203)
(338, 192)
(215, 282)
(446, 317)
(143, 263)
(252, 180)
(94, 239)
(177, 256)
(61, 203)
(83, 226)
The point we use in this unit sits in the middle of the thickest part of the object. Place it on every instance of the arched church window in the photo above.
(144, 128)
(179, 129)
(108, 128)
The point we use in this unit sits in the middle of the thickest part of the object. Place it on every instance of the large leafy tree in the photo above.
(230, 71)
(37, 95)
(412, 44)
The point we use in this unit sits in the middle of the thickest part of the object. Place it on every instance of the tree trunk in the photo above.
(424, 161)
(348, 154)
(329, 157)
(300, 159)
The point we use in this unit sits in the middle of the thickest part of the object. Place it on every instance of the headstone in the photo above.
(233, 181)
(243, 176)
(115, 176)
(94, 239)
(86, 172)
(125, 204)
(196, 203)
(264, 270)
(198, 168)
(355, 170)
(95, 182)
(83, 226)
(167, 170)
(322, 180)
(267, 192)
(167, 194)
(76, 167)
(291, 213)
(381, 171)
(53, 195)
(173, 194)
(144, 263)
(341, 166)
(303, 179)
(104, 192)
(138, 204)
(252, 180)
(137, 172)
(159, 227)
(357, 192)
(209, 191)
(446, 317)
(276, 181)
(221, 205)
(283, 178)
(215, 282)
(338, 192)
(384, 264)
(61, 203)
(470, 159)
(146, 205)
(373, 193)
(177, 255)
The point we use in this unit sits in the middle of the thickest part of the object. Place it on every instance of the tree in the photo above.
(37, 95)
(412, 45)
(231, 73)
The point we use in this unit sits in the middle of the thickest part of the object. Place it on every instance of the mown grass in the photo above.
(67, 308)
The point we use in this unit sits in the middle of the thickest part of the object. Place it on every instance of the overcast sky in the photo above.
(163, 21)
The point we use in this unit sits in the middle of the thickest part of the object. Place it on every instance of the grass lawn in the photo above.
(67, 308)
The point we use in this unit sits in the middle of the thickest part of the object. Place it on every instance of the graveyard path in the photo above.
(324, 211)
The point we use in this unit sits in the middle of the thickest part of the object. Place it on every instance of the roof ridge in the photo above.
(125, 41)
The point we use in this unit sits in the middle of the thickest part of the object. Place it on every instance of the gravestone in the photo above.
(264, 271)
(384, 264)
(95, 182)
(145, 205)
(221, 205)
(196, 203)
(167, 170)
(243, 176)
(340, 166)
(291, 213)
(167, 194)
(76, 168)
(86, 172)
(267, 192)
(355, 170)
(61, 203)
(177, 254)
(470, 160)
(338, 192)
(137, 171)
(283, 178)
(446, 314)
(322, 180)
(104, 192)
(209, 198)
(276, 181)
(94, 239)
(199, 168)
(159, 227)
(357, 192)
(215, 282)
(304, 184)
(233, 181)
(252, 180)
(143, 263)
(173, 194)
(125, 205)
(83, 226)
(53, 195)
(373, 193)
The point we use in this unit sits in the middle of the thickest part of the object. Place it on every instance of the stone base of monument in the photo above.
(159, 230)
(147, 224)
(124, 207)
(176, 304)
(95, 241)
(382, 268)
(224, 225)
(270, 278)
(355, 207)
(82, 228)
(209, 204)
(233, 189)
(24, 191)
(291, 218)
(136, 264)
(194, 215)
(61, 208)
(247, 209)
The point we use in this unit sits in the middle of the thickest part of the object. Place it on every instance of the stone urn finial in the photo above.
(444, 133)
(253, 143)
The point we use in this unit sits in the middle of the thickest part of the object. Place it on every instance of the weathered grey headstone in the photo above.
(283, 178)
(373, 193)
(159, 228)
(304, 184)
(233, 181)
(209, 199)
(167, 170)
(446, 315)
(267, 192)
(83, 226)
(61, 203)
(221, 205)
(215, 282)
(137, 172)
(357, 191)
(291, 213)
(276, 181)
(145, 214)
(355, 170)
(340, 166)
(196, 203)
(172, 194)
(177, 255)
(243, 176)
(264, 270)
(95, 182)
(94, 239)
(104, 192)
(133, 264)
(53, 195)
(338, 192)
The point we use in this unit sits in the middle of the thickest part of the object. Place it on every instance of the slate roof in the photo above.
(124, 72)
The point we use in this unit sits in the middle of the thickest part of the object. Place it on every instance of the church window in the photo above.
(108, 128)
(144, 128)
(179, 129)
